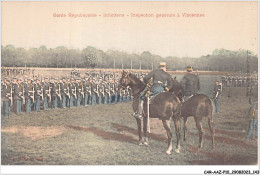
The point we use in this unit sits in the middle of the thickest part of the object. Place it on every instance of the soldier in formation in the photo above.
(238, 80)
(35, 94)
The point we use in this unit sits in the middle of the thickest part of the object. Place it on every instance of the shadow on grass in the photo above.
(222, 159)
(104, 134)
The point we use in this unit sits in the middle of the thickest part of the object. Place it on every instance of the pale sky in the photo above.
(228, 25)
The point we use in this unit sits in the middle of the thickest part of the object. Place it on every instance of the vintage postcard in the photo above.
(122, 83)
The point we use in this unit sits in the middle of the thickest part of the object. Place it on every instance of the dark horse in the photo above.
(165, 106)
(198, 106)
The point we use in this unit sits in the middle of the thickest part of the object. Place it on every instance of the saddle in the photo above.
(186, 98)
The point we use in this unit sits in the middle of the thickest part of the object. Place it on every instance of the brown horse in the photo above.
(165, 106)
(198, 106)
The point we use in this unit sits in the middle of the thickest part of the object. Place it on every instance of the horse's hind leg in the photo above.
(199, 126)
(139, 131)
(212, 131)
(166, 125)
(145, 141)
(178, 134)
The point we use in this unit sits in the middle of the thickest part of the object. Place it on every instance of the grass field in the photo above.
(107, 135)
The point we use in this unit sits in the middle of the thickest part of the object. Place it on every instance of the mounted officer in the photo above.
(190, 84)
(161, 81)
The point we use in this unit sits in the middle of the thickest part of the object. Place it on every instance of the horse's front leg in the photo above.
(185, 128)
(145, 142)
(166, 125)
(140, 142)
(178, 135)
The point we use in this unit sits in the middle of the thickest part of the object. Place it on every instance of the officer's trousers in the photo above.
(28, 105)
(63, 101)
(6, 108)
(78, 100)
(155, 90)
(85, 99)
(38, 104)
(45, 103)
(217, 105)
(54, 102)
(18, 106)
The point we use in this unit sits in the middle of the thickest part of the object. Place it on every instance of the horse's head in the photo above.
(124, 80)
(176, 88)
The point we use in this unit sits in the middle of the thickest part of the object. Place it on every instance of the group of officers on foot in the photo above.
(27, 95)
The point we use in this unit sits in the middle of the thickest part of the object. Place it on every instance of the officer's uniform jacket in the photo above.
(38, 90)
(29, 88)
(6, 92)
(18, 90)
(190, 84)
(72, 89)
(88, 87)
(217, 91)
(46, 89)
(62, 88)
(160, 78)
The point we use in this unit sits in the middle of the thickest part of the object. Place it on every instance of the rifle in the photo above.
(11, 96)
(68, 91)
(59, 95)
(88, 89)
(49, 94)
(39, 92)
(112, 89)
(33, 91)
(74, 92)
(41, 96)
(23, 96)
(82, 91)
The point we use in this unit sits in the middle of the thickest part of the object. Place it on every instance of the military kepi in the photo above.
(189, 68)
(162, 64)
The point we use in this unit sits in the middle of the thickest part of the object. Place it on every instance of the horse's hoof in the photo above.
(145, 143)
(177, 151)
(140, 143)
(168, 152)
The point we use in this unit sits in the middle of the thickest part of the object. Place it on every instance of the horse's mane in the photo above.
(137, 80)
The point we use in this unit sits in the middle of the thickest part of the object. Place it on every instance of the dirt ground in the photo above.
(107, 135)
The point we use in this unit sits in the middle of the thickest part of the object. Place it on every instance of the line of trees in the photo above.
(90, 57)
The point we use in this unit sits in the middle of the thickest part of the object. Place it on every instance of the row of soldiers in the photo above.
(27, 95)
(237, 81)
(16, 71)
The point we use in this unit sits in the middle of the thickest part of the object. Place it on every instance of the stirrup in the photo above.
(137, 116)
